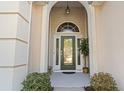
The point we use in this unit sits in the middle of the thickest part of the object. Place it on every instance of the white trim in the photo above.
(29, 36)
(66, 22)
(44, 40)
(58, 67)
(79, 67)
(92, 42)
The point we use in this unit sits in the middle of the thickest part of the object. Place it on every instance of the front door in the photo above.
(67, 53)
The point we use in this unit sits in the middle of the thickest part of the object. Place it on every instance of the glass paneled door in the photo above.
(67, 53)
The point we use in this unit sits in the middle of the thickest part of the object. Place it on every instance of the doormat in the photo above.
(68, 72)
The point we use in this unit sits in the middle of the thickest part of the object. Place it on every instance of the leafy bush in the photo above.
(103, 82)
(37, 82)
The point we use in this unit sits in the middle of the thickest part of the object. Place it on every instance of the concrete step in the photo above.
(68, 89)
(76, 80)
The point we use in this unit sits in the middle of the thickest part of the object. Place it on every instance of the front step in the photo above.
(69, 82)
(68, 89)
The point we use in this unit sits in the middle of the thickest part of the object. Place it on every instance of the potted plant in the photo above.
(102, 82)
(84, 48)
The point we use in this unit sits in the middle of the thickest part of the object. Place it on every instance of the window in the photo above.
(68, 27)
(78, 46)
(57, 51)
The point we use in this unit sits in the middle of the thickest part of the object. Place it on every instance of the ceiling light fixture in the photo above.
(67, 10)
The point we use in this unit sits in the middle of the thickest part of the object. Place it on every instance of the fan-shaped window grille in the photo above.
(68, 27)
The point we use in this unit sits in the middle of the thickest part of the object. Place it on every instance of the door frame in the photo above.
(73, 53)
(57, 68)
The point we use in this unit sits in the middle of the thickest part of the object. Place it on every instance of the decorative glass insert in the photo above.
(78, 55)
(68, 51)
(57, 51)
(68, 27)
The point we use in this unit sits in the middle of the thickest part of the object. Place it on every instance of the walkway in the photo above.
(69, 82)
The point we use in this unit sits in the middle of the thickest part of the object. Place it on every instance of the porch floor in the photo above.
(69, 82)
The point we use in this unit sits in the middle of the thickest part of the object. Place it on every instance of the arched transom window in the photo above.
(67, 27)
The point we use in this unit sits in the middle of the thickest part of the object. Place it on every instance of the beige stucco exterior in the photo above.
(14, 43)
(108, 21)
(23, 39)
(110, 40)
(77, 16)
(35, 39)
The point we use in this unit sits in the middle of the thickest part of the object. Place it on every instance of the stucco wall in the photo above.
(76, 16)
(111, 40)
(58, 16)
(35, 39)
(14, 37)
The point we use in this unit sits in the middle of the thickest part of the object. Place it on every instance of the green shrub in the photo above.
(103, 82)
(37, 82)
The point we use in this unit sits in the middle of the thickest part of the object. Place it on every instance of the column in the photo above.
(14, 43)
(92, 40)
(44, 39)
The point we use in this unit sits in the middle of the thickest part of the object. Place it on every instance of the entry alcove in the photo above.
(68, 25)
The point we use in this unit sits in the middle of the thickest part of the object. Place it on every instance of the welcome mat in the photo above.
(68, 72)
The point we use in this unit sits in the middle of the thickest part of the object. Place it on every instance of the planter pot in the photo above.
(88, 88)
(85, 70)
(52, 89)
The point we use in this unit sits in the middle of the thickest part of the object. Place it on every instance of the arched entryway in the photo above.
(65, 34)
(91, 34)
